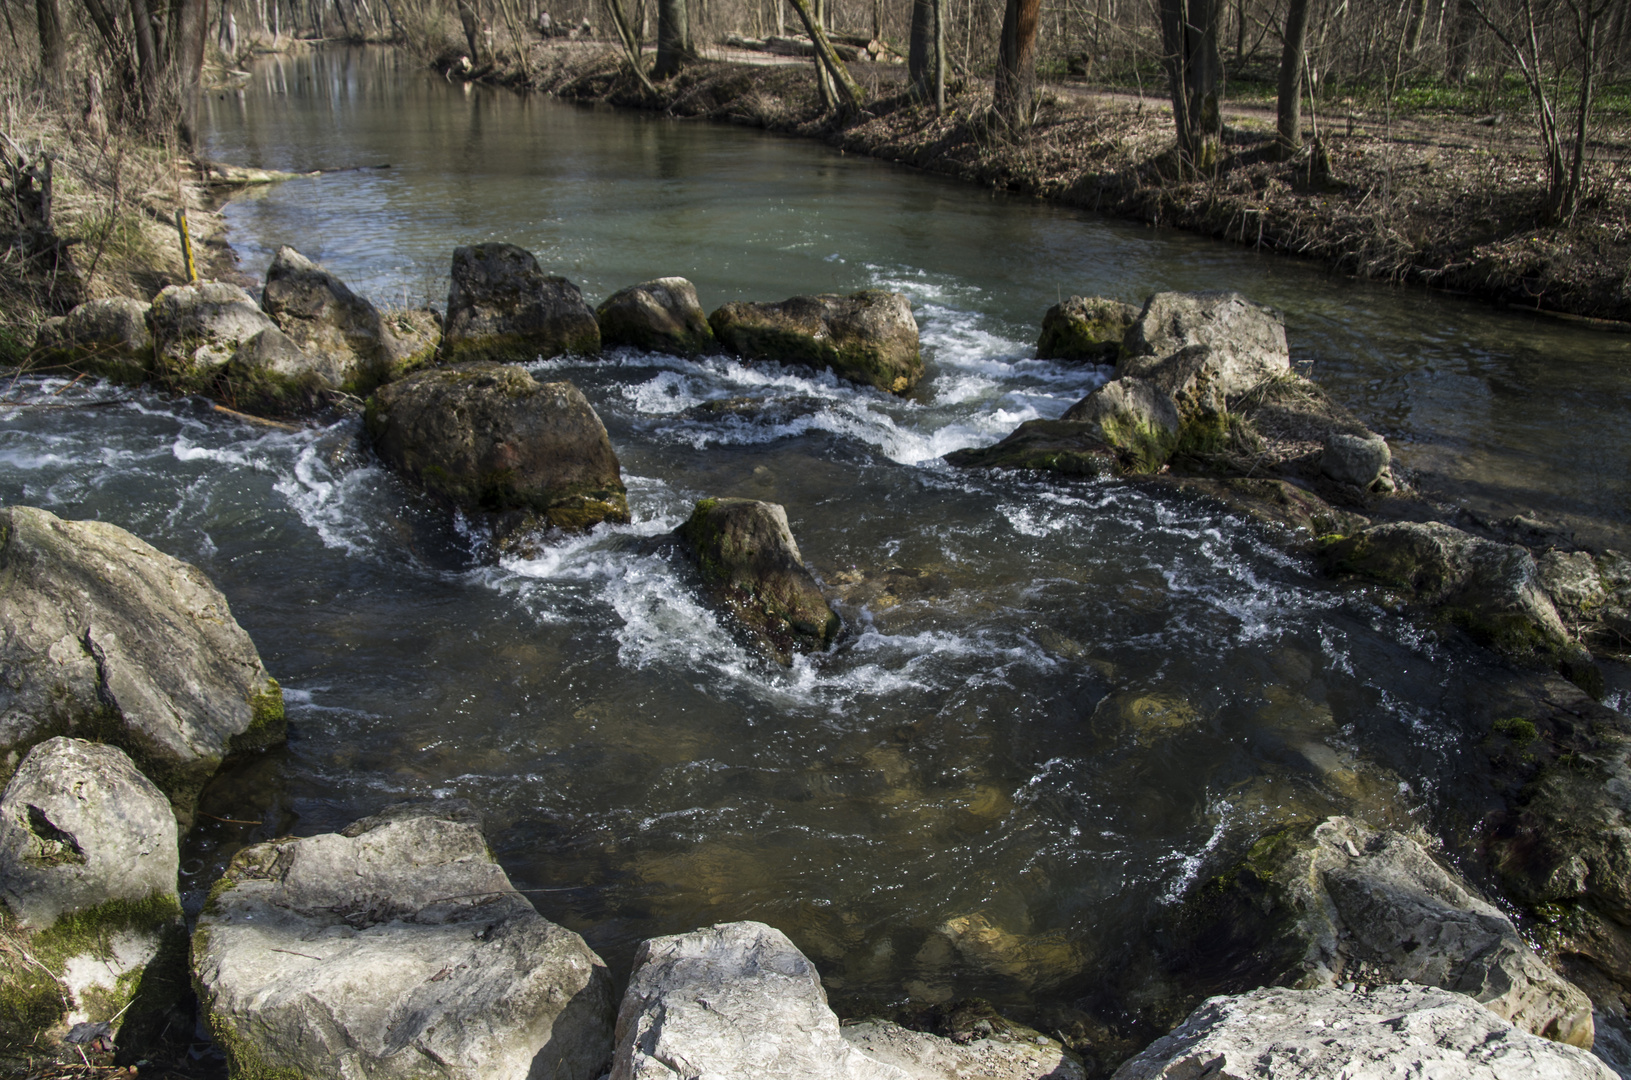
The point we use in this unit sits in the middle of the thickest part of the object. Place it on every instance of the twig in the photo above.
(308, 956)
(229, 820)
(256, 419)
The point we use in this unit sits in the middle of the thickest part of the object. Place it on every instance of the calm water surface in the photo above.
(1079, 698)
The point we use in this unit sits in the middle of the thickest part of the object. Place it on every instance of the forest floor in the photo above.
(1445, 202)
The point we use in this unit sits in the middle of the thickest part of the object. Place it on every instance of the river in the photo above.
(1057, 706)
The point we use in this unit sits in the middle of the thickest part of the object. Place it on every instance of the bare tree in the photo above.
(1293, 56)
(1189, 38)
(1016, 63)
(53, 44)
(673, 37)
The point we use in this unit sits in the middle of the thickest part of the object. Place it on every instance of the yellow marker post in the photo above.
(186, 246)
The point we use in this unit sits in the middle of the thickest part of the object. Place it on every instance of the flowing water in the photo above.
(1057, 705)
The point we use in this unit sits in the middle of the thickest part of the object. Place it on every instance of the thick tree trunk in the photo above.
(1289, 136)
(1458, 52)
(472, 29)
(920, 46)
(1189, 37)
(187, 66)
(844, 87)
(1016, 63)
(673, 37)
(53, 45)
(938, 63)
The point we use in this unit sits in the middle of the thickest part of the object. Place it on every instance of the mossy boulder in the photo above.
(1246, 341)
(869, 337)
(352, 346)
(1134, 418)
(1088, 329)
(198, 328)
(489, 437)
(502, 307)
(662, 315)
(103, 636)
(104, 337)
(405, 937)
(1061, 446)
(752, 567)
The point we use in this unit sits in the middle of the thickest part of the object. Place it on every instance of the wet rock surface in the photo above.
(868, 337)
(662, 315)
(103, 635)
(490, 437)
(105, 337)
(395, 948)
(501, 306)
(1088, 329)
(352, 345)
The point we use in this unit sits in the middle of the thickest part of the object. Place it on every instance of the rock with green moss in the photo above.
(197, 329)
(869, 337)
(501, 306)
(353, 345)
(752, 567)
(103, 636)
(1061, 446)
(490, 437)
(1087, 329)
(1247, 341)
(409, 942)
(104, 337)
(662, 315)
(1492, 590)
(1134, 418)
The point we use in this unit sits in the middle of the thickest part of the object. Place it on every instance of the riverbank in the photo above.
(1439, 213)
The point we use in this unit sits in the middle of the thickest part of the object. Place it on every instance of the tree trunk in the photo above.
(1289, 136)
(472, 29)
(845, 88)
(919, 47)
(673, 37)
(938, 62)
(191, 34)
(1189, 37)
(1016, 63)
(53, 45)
(1418, 23)
(1458, 52)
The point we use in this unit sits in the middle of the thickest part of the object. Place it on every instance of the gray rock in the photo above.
(350, 343)
(1403, 1031)
(1062, 446)
(102, 634)
(501, 306)
(198, 328)
(929, 1057)
(490, 437)
(736, 1001)
(79, 826)
(662, 315)
(274, 353)
(869, 337)
(106, 337)
(396, 948)
(1573, 581)
(1132, 417)
(752, 565)
(1086, 329)
(1356, 460)
(1248, 341)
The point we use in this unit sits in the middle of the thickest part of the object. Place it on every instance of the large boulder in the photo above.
(1403, 1031)
(993, 1056)
(736, 1001)
(1061, 446)
(867, 337)
(88, 862)
(1493, 590)
(662, 315)
(491, 437)
(396, 948)
(1088, 329)
(1247, 341)
(751, 564)
(103, 635)
(1126, 425)
(197, 329)
(105, 337)
(353, 347)
(501, 306)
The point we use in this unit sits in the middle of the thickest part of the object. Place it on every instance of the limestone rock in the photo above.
(868, 337)
(1356, 460)
(104, 635)
(662, 315)
(1248, 341)
(1132, 417)
(749, 559)
(395, 948)
(345, 334)
(1085, 328)
(1062, 446)
(930, 1057)
(491, 437)
(79, 826)
(1491, 589)
(736, 1001)
(1320, 1034)
(198, 328)
(502, 307)
(106, 337)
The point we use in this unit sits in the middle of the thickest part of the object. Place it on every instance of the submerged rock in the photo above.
(923, 1056)
(490, 437)
(1086, 329)
(197, 328)
(868, 337)
(501, 306)
(1320, 1034)
(353, 345)
(662, 315)
(408, 941)
(105, 337)
(736, 1001)
(103, 635)
(1247, 340)
(750, 561)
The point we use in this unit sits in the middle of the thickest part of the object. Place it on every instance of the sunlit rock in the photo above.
(105, 337)
(662, 315)
(355, 345)
(410, 943)
(995, 1055)
(752, 567)
(869, 337)
(1086, 329)
(501, 306)
(103, 635)
(1357, 460)
(1247, 341)
(197, 328)
(490, 437)
(1281, 1034)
